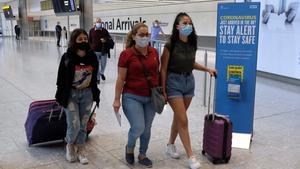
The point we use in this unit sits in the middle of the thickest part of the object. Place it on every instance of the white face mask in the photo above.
(142, 41)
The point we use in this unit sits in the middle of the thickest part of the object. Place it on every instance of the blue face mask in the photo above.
(186, 30)
(142, 41)
(98, 25)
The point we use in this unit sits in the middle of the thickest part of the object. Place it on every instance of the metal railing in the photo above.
(121, 39)
(159, 44)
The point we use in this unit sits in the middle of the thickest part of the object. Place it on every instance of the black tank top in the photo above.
(182, 58)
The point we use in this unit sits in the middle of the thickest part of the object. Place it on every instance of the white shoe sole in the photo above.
(169, 155)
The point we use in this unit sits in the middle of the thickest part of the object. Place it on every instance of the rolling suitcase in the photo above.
(217, 134)
(46, 123)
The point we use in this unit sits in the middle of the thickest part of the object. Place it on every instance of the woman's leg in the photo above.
(133, 110)
(85, 106)
(149, 114)
(85, 102)
(178, 106)
(73, 126)
(174, 130)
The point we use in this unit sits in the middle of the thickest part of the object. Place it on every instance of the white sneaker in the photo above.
(171, 151)
(82, 159)
(70, 153)
(193, 163)
(81, 155)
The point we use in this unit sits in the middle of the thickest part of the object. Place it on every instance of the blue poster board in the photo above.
(236, 59)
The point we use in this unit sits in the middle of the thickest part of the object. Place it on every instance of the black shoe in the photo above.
(146, 162)
(103, 77)
(98, 81)
(129, 157)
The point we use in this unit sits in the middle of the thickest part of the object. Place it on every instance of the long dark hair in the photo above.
(129, 40)
(74, 35)
(192, 38)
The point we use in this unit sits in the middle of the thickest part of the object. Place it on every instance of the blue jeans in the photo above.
(78, 112)
(140, 114)
(102, 58)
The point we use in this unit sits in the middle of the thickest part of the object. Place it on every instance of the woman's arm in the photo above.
(200, 67)
(122, 72)
(163, 70)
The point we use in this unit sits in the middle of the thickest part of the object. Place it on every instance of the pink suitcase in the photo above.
(217, 134)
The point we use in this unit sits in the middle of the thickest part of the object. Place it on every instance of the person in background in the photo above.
(155, 30)
(58, 30)
(17, 31)
(64, 36)
(133, 86)
(76, 90)
(178, 63)
(98, 36)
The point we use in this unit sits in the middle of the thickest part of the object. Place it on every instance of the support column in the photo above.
(86, 16)
(23, 21)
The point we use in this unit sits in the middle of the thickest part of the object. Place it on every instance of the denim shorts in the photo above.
(180, 85)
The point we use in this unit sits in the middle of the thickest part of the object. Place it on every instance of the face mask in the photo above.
(186, 30)
(98, 25)
(142, 41)
(155, 24)
(82, 46)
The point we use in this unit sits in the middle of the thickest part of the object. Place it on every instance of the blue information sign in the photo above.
(236, 58)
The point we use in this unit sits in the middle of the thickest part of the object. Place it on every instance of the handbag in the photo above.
(157, 98)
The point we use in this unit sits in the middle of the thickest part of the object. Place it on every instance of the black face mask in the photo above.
(82, 46)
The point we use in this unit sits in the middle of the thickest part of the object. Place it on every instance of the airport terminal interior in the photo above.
(28, 72)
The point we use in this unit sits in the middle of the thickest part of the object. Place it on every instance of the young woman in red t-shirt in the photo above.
(132, 85)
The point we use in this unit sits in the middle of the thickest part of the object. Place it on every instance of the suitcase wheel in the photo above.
(227, 160)
(203, 152)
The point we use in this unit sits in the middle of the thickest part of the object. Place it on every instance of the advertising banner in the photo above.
(236, 59)
(279, 37)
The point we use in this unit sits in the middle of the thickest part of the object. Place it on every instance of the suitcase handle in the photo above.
(51, 113)
(209, 95)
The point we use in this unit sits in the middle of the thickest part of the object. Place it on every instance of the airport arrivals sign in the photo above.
(120, 24)
(236, 60)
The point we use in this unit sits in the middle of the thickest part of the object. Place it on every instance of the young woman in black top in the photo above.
(177, 64)
(76, 91)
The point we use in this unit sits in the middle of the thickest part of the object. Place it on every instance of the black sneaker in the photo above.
(146, 162)
(129, 157)
(103, 77)
(98, 81)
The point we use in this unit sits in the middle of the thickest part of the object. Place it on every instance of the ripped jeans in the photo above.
(78, 112)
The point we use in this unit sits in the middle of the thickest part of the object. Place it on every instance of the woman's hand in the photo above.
(212, 72)
(117, 105)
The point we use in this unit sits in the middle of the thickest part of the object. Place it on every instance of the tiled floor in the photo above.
(28, 72)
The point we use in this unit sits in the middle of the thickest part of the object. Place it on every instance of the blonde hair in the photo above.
(129, 40)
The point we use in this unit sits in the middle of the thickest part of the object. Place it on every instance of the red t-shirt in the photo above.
(136, 82)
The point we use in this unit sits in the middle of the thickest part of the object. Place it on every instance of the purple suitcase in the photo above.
(217, 134)
(46, 123)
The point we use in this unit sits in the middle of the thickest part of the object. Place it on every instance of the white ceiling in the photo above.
(108, 5)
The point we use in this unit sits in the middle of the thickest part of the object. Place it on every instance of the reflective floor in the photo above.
(28, 72)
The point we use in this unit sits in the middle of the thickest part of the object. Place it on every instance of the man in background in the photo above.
(98, 38)
(58, 30)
